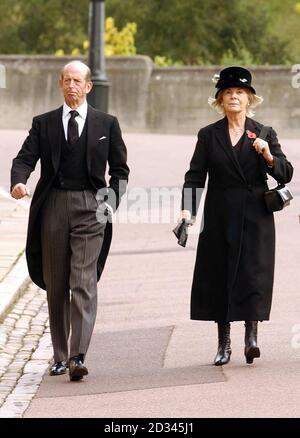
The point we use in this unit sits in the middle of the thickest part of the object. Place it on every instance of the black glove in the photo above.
(181, 231)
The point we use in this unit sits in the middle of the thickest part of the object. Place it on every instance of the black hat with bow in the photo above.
(234, 77)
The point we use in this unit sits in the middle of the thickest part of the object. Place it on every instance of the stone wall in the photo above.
(144, 97)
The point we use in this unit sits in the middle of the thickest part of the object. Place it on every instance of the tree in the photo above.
(42, 26)
(188, 31)
(117, 42)
(204, 31)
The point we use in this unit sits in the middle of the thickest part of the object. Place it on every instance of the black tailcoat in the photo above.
(44, 143)
(234, 269)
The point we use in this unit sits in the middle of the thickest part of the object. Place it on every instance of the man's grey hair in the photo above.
(81, 65)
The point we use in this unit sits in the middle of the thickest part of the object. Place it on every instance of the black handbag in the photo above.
(278, 197)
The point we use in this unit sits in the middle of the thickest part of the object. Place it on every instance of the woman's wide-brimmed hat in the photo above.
(233, 77)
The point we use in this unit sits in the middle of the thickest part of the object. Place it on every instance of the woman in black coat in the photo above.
(234, 269)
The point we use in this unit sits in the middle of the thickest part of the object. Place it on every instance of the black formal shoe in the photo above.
(224, 350)
(251, 349)
(76, 368)
(58, 368)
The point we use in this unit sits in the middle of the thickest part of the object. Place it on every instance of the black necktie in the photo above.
(73, 134)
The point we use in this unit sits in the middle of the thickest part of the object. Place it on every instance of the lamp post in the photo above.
(98, 97)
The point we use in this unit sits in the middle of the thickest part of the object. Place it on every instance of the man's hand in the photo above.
(19, 191)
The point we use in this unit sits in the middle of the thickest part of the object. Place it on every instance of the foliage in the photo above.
(189, 31)
(163, 61)
(119, 42)
(213, 31)
(42, 26)
(116, 42)
(241, 57)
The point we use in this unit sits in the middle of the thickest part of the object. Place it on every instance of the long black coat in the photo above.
(44, 143)
(234, 269)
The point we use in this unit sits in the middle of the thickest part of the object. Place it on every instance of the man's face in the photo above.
(74, 86)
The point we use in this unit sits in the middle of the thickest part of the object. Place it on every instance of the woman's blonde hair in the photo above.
(217, 103)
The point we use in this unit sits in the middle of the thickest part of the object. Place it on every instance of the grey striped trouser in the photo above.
(71, 243)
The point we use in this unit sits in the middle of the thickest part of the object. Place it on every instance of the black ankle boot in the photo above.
(224, 350)
(251, 348)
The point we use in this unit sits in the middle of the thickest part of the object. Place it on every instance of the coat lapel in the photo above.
(54, 134)
(254, 127)
(223, 138)
(250, 127)
(94, 127)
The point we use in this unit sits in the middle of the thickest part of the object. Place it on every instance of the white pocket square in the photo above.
(102, 138)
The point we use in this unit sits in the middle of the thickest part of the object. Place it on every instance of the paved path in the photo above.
(21, 364)
(147, 359)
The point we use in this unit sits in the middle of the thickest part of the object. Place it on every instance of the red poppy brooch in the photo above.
(250, 134)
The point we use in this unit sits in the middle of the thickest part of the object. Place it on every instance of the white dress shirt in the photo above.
(80, 119)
